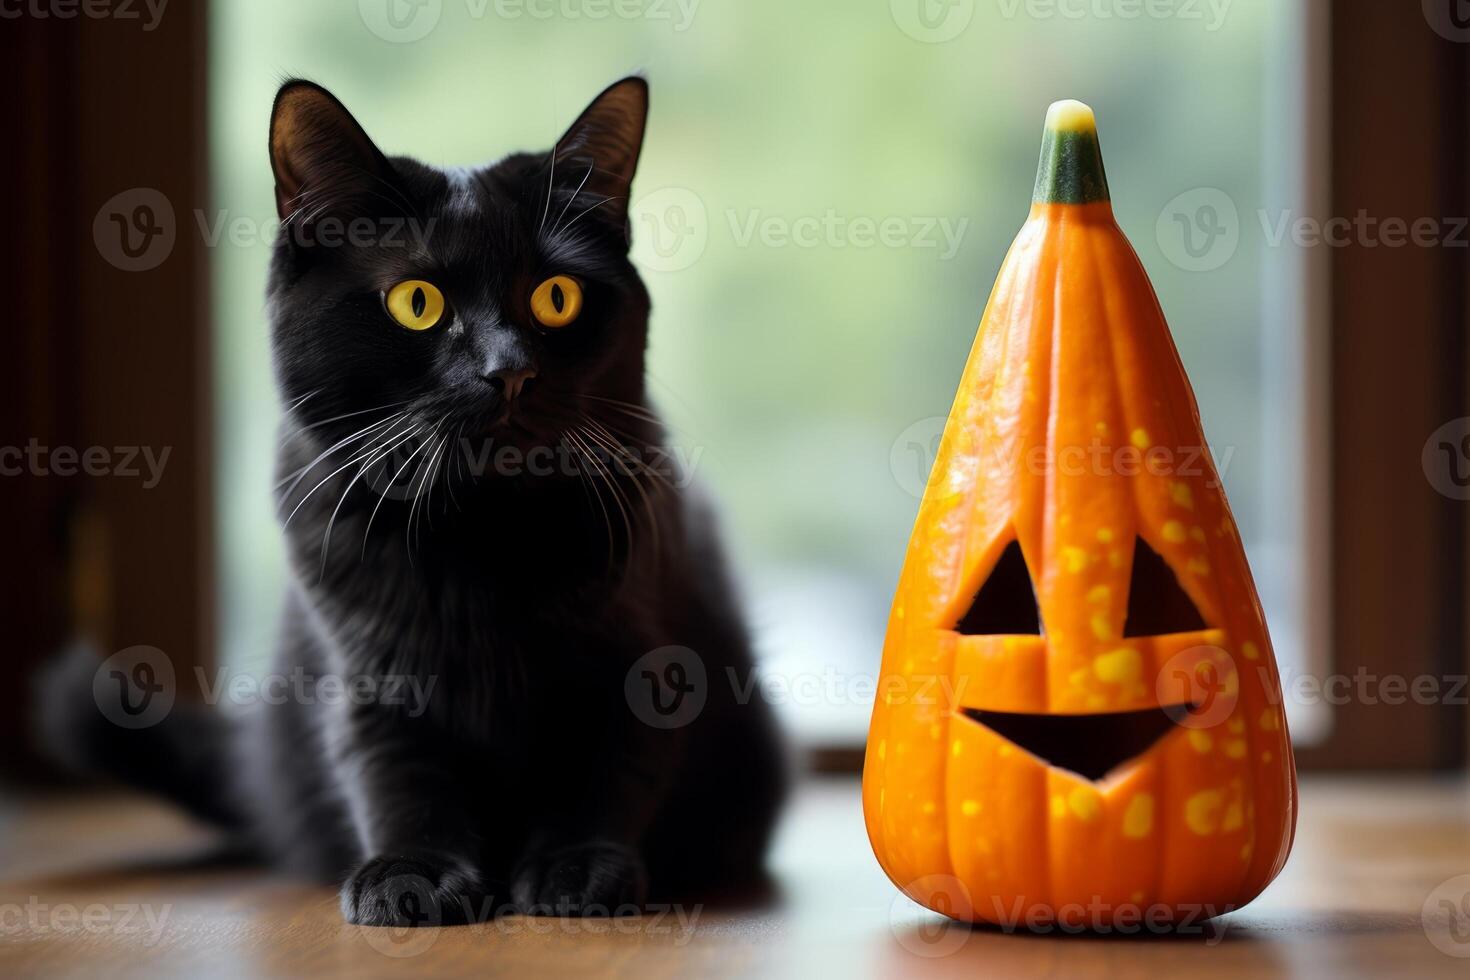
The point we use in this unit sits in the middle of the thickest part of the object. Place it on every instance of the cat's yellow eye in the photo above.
(415, 304)
(557, 301)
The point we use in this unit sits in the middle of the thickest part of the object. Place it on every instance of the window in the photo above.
(819, 225)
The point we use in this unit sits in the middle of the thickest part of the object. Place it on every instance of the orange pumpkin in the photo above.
(1079, 715)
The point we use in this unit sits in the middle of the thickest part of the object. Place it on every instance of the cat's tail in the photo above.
(107, 726)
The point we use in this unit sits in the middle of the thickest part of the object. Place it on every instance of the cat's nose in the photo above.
(509, 382)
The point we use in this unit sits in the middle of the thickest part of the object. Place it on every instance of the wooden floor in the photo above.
(107, 887)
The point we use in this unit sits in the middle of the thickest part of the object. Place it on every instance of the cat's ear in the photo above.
(322, 159)
(607, 138)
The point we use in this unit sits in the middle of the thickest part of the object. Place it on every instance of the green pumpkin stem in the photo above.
(1071, 168)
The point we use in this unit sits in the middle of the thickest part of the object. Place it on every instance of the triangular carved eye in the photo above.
(1006, 603)
(1156, 602)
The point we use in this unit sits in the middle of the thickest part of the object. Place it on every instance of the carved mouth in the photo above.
(1090, 745)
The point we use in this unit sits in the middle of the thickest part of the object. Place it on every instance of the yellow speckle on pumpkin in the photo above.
(1250, 650)
(1096, 701)
(1101, 628)
(970, 807)
(1121, 666)
(1099, 595)
(1181, 495)
(934, 730)
(1100, 427)
(1235, 748)
(1202, 811)
(1235, 725)
(1232, 819)
(956, 747)
(1139, 438)
(1115, 558)
(1268, 721)
(1078, 677)
(1058, 807)
(1266, 756)
(1006, 751)
(1138, 819)
(1245, 851)
(1085, 802)
(1199, 566)
(1197, 533)
(1200, 740)
(1105, 534)
(882, 749)
(1074, 559)
(1174, 531)
(1136, 898)
(928, 808)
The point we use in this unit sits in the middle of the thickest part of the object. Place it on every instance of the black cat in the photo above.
(475, 503)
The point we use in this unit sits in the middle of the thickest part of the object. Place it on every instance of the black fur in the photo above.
(524, 595)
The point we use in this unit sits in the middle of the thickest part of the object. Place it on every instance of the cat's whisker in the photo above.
(299, 475)
(588, 485)
(286, 495)
(550, 184)
(298, 402)
(574, 196)
(631, 409)
(458, 465)
(433, 478)
(392, 480)
(627, 455)
(348, 415)
(420, 473)
(624, 436)
(604, 472)
(594, 207)
(370, 451)
(597, 471)
(623, 454)
(331, 521)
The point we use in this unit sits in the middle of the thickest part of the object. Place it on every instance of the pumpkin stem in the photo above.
(1071, 168)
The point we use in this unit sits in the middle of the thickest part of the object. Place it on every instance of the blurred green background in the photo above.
(809, 377)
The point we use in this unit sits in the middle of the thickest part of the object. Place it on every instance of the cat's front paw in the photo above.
(591, 878)
(412, 890)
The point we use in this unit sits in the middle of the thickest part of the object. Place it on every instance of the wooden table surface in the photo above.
(113, 886)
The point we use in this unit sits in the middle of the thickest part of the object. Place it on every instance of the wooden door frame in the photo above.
(105, 358)
(1398, 368)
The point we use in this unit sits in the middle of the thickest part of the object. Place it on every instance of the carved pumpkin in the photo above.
(1078, 704)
